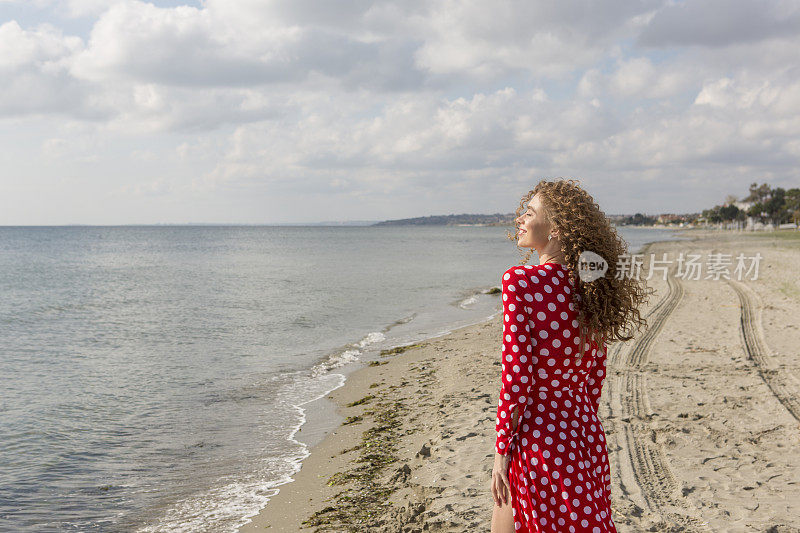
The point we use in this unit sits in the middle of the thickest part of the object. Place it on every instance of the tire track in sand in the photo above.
(784, 386)
(642, 468)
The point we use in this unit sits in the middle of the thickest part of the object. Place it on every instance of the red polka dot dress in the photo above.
(558, 463)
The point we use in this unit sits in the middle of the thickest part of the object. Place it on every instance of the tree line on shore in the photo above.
(765, 204)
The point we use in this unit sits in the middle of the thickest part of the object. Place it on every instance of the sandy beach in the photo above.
(701, 412)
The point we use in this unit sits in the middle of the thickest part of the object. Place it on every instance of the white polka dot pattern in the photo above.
(517, 348)
(558, 463)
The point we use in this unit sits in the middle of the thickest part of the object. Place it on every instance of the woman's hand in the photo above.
(501, 489)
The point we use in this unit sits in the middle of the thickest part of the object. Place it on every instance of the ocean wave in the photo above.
(349, 354)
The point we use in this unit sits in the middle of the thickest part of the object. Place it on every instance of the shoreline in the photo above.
(298, 500)
(281, 513)
(428, 410)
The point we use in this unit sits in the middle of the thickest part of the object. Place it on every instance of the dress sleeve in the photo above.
(596, 376)
(517, 366)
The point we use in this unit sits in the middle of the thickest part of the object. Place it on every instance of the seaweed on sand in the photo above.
(359, 507)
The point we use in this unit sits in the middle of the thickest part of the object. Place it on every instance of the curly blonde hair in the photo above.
(608, 308)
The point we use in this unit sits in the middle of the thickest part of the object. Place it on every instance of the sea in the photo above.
(158, 378)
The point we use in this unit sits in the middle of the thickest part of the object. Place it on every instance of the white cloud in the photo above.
(490, 39)
(217, 46)
(373, 99)
(34, 69)
(86, 8)
(180, 46)
(43, 48)
(728, 93)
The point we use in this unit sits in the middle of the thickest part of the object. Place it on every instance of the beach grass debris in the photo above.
(363, 400)
(377, 363)
(493, 290)
(352, 449)
(359, 507)
(400, 349)
(352, 420)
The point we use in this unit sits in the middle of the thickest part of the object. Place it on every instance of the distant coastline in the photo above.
(507, 219)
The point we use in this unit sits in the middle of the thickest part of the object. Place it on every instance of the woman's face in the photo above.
(532, 227)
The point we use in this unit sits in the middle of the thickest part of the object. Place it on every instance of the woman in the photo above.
(551, 470)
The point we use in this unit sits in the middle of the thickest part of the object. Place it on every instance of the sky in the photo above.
(289, 111)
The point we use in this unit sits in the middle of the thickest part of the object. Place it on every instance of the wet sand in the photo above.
(701, 411)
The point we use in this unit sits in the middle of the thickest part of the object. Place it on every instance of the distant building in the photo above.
(749, 222)
(670, 218)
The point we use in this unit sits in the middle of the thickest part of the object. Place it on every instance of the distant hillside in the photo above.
(498, 219)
